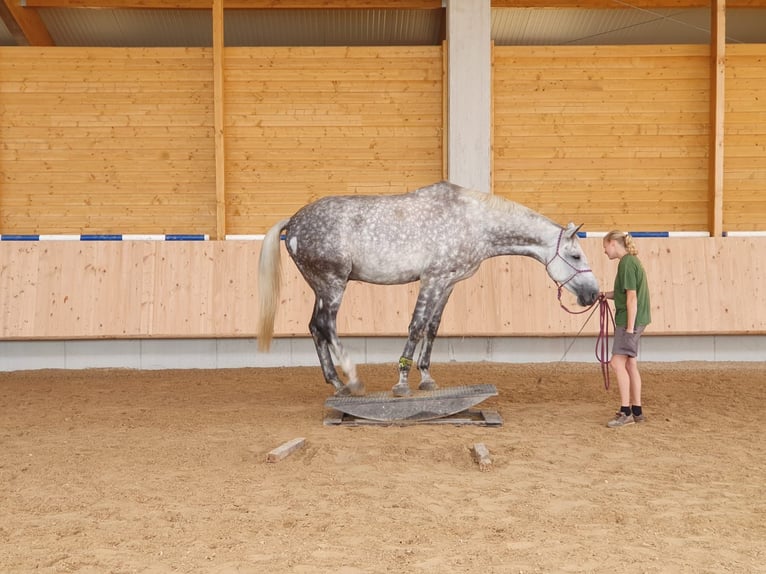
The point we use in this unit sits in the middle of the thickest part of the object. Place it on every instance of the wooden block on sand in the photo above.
(481, 456)
(285, 449)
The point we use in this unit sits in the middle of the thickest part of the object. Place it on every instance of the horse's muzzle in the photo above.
(588, 298)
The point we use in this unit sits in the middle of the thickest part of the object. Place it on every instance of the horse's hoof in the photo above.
(356, 389)
(401, 390)
(428, 386)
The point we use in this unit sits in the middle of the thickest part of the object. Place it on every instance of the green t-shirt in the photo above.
(631, 277)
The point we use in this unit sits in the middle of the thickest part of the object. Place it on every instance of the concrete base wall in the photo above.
(237, 353)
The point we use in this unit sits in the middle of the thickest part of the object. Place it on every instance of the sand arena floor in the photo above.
(165, 471)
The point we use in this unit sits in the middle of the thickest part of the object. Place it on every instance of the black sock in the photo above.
(637, 410)
(625, 410)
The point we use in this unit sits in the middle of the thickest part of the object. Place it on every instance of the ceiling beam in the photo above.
(237, 4)
(376, 4)
(24, 24)
(624, 4)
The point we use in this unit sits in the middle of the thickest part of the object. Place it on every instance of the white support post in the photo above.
(469, 77)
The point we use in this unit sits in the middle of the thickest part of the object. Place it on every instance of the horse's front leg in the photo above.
(427, 383)
(432, 297)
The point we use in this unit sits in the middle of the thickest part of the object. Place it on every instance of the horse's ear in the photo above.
(571, 230)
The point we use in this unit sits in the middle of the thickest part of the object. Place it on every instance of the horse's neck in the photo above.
(524, 233)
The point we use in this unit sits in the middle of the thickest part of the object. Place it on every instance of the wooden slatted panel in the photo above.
(744, 198)
(303, 123)
(137, 289)
(611, 136)
(101, 140)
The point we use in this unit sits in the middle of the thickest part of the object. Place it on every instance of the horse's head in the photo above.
(568, 267)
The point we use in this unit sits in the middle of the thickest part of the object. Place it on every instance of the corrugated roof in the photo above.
(332, 27)
(151, 27)
(128, 28)
(535, 26)
(511, 26)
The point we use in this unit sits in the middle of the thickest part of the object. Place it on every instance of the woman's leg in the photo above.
(635, 381)
(620, 366)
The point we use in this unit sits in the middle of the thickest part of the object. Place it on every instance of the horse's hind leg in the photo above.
(324, 332)
(323, 352)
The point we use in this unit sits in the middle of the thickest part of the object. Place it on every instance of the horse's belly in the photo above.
(384, 273)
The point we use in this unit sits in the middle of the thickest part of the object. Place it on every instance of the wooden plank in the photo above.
(470, 417)
(717, 114)
(91, 55)
(330, 52)
(603, 62)
(219, 119)
(481, 455)
(286, 449)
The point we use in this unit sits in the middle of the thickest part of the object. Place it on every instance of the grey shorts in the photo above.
(626, 343)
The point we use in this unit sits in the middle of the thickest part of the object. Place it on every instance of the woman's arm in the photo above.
(632, 304)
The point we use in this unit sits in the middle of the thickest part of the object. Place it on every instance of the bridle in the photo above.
(575, 273)
(605, 313)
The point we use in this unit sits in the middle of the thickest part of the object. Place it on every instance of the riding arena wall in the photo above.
(117, 224)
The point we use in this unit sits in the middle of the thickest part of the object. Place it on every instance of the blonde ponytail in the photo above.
(624, 239)
(630, 245)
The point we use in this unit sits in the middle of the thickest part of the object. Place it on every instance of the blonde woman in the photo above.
(632, 315)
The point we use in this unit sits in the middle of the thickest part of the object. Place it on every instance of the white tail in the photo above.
(269, 281)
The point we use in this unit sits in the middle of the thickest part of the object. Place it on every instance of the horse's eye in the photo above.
(576, 257)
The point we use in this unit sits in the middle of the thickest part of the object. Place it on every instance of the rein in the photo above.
(602, 341)
(605, 316)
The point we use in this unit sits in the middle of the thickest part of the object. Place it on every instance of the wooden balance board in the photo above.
(420, 406)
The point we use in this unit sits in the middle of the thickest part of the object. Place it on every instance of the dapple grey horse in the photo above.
(438, 235)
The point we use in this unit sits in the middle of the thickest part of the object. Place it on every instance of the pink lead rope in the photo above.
(606, 317)
(602, 341)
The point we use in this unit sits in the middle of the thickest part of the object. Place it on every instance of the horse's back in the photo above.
(344, 217)
(380, 239)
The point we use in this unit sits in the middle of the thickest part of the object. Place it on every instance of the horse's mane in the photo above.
(497, 203)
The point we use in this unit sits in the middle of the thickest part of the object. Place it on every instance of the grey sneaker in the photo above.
(620, 420)
(639, 419)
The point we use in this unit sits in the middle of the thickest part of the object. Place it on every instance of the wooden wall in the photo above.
(303, 123)
(610, 136)
(744, 201)
(106, 140)
(96, 140)
(121, 141)
(137, 289)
